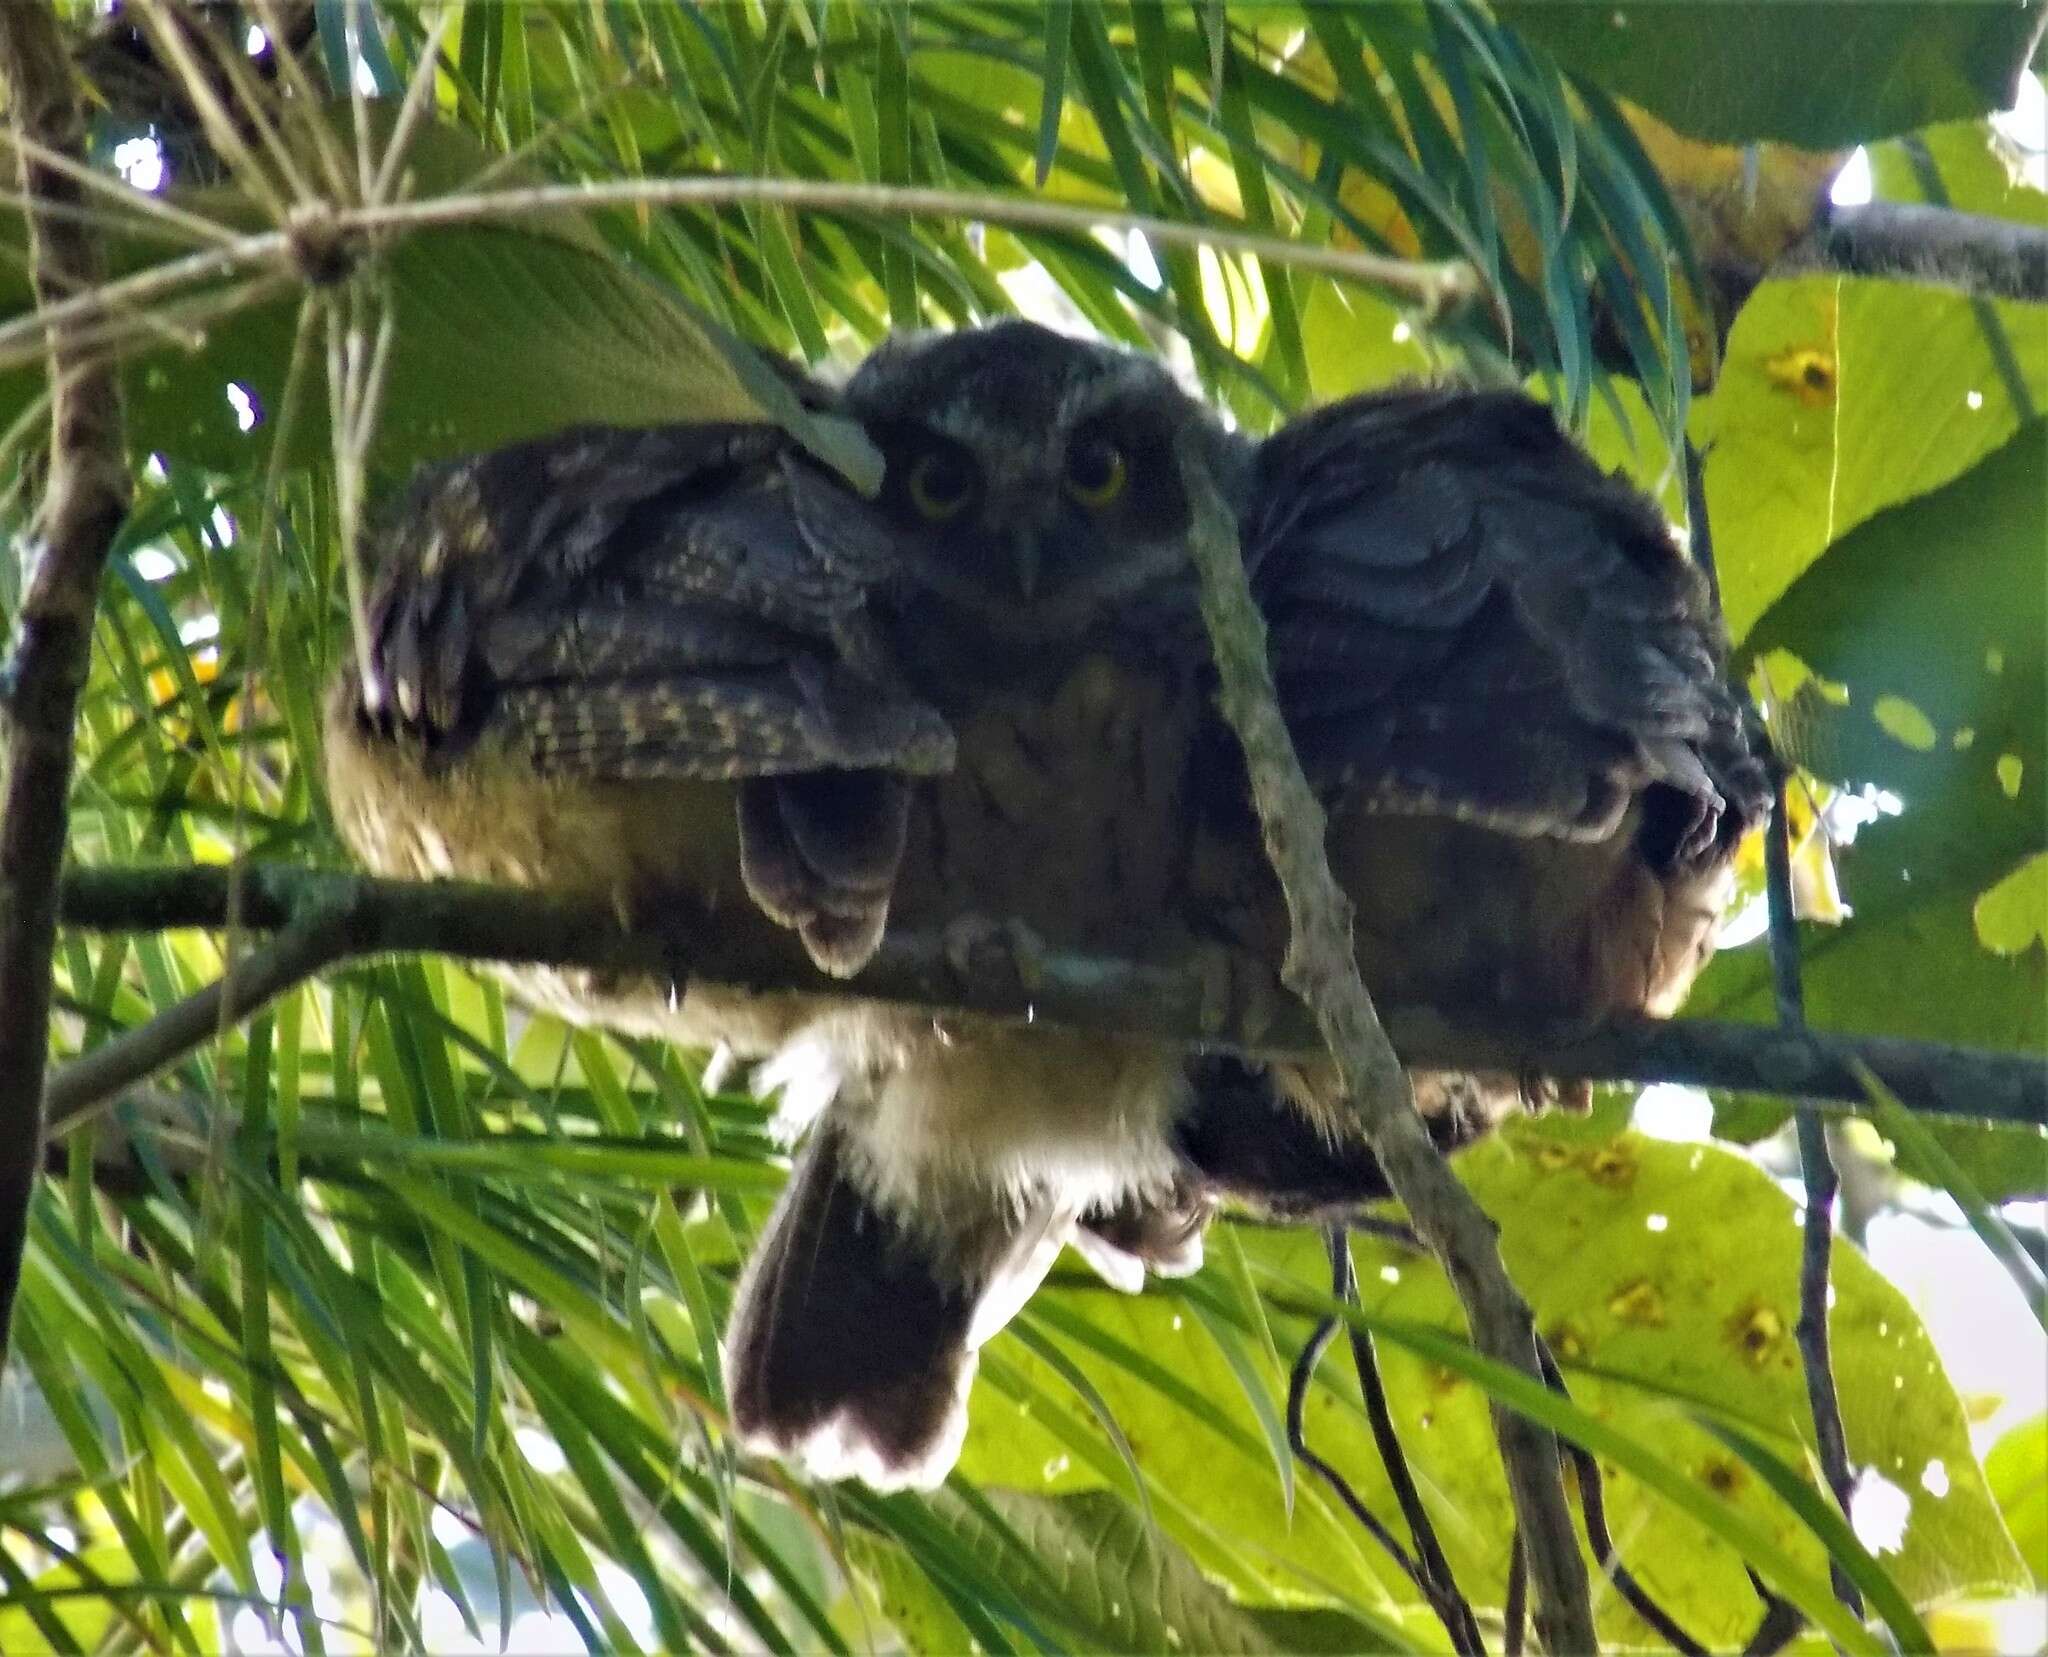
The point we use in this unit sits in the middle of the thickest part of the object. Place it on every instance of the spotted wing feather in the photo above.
(1467, 617)
(675, 603)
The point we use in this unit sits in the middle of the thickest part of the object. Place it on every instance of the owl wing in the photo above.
(678, 602)
(1468, 618)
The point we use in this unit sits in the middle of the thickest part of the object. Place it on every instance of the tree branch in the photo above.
(1174, 1000)
(1451, 1616)
(1372, 1389)
(1321, 967)
(317, 232)
(84, 502)
(1973, 253)
(1817, 1171)
(1593, 1504)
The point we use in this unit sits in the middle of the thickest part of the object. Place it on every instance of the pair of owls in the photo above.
(692, 671)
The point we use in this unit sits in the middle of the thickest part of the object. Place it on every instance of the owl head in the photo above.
(1032, 483)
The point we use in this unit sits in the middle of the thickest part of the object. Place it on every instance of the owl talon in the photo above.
(1238, 993)
(982, 951)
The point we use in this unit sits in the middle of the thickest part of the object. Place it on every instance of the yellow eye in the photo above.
(1096, 473)
(940, 485)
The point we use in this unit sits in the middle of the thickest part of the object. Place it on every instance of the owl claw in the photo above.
(983, 951)
(1238, 993)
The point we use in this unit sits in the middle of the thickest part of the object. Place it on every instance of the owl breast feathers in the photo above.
(691, 671)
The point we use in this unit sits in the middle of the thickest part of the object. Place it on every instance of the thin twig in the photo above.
(1817, 1170)
(1515, 1613)
(1429, 1553)
(137, 225)
(1593, 1504)
(1432, 285)
(166, 29)
(358, 96)
(1174, 1000)
(306, 947)
(85, 500)
(1297, 1440)
(146, 287)
(1780, 1624)
(418, 96)
(143, 203)
(252, 102)
(1322, 969)
(302, 96)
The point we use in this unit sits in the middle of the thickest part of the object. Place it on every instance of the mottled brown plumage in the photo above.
(692, 672)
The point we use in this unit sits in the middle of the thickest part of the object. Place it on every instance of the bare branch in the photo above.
(1449, 1604)
(84, 502)
(1175, 1000)
(1817, 1170)
(307, 946)
(1593, 1504)
(1322, 969)
(1972, 253)
(1370, 1522)
(1434, 286)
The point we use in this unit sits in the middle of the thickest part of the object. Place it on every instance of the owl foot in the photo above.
(1240, 996)
(989, 955)
(1163, 1237)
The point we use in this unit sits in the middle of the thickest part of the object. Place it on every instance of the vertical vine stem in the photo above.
(1593, 1503)
(1322, 970)
(1429, 1553)
(85, 500)
(1817, 1170)
(1370, 1522)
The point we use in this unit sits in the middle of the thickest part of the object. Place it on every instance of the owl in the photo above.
(692, 672)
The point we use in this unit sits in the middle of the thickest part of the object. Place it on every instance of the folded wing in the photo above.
(668, 604)
(1469, 619)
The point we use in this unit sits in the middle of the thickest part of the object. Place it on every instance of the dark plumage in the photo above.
(691, 671)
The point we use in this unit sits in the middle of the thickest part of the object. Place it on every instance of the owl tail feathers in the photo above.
(853, 1338)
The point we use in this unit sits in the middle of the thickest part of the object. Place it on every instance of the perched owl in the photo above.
(691, 671)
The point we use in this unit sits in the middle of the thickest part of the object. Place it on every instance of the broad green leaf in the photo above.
(2016, 1469)
(1658, 1272)
(2012, 917)
(1937, 606)
(1355, 342)
(1810, 72)
(1971, 165)
(906, 1597)
(1840, 396)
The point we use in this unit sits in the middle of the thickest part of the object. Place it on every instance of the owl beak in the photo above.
(1026, 560)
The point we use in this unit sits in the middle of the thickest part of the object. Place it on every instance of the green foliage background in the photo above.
(330, 1279)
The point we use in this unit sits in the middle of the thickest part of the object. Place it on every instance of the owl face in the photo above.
(1032, 480)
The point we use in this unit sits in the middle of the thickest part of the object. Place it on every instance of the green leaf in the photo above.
(1665, 1277)
(1938, 603)
(1840, 396)
(907, 1596)
(1912, 1136)
(1808, 72)
(597, 341)
(2016, 1469)
(1096, 1569)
